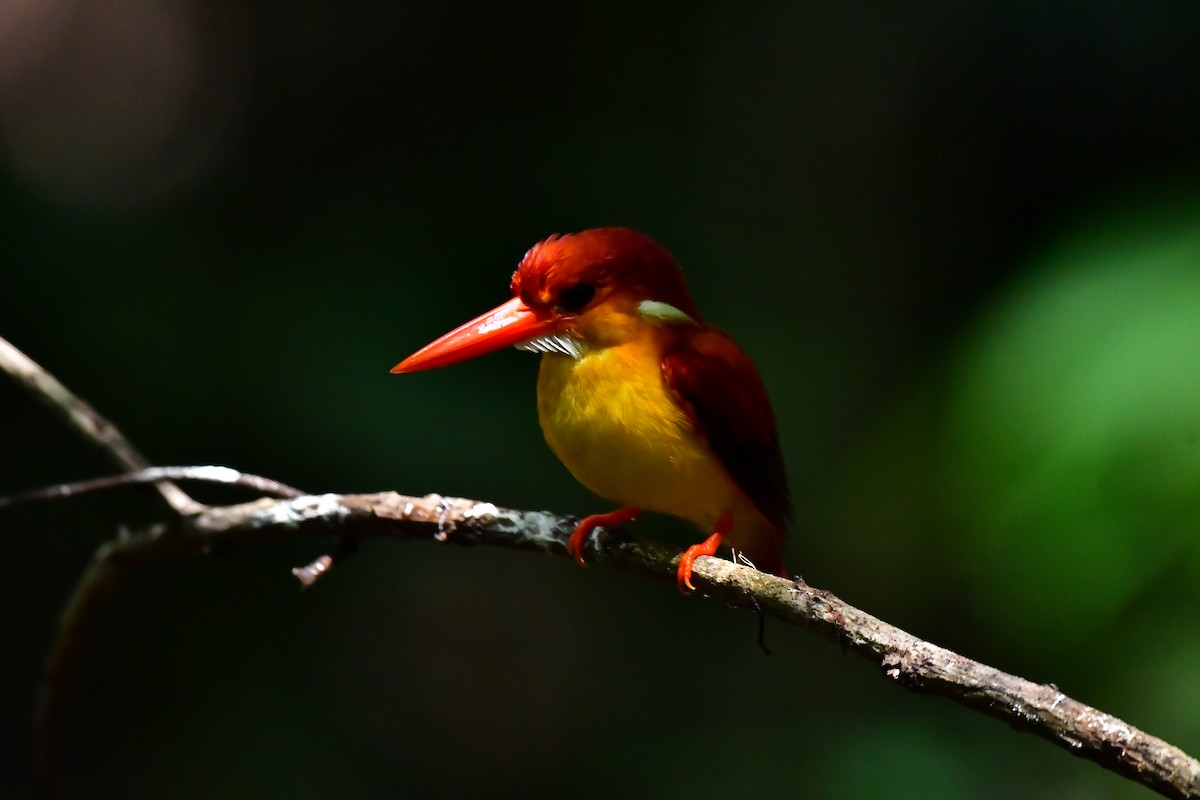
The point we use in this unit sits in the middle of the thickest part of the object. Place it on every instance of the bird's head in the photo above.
(572, 293)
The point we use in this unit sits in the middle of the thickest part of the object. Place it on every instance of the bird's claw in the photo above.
(579, 536)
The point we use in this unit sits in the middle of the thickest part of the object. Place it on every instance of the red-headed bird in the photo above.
(646, 404)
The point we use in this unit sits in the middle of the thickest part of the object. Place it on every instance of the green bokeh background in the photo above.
(961, 240)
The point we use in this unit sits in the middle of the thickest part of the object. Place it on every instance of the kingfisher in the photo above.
(648, 406)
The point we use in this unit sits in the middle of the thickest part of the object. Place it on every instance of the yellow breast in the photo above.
(611, 420)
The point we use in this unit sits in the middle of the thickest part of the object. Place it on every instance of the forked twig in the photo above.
(87, 421)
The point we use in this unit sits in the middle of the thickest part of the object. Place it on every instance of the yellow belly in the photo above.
(611, 420)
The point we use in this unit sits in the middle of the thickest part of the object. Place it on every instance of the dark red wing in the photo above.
(716, 383)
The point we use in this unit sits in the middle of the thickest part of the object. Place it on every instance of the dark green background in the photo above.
(961, 240)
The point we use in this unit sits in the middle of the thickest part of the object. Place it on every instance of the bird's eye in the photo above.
(576, 297)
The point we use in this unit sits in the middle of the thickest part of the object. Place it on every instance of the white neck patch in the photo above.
(663, 312)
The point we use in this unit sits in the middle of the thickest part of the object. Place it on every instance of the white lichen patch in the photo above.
(719, 569)
(1110, 726)
(481, 512)
(292, 513)
(547, 527)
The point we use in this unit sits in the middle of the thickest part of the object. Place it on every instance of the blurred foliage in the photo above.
(960, 241)
(1074, 434)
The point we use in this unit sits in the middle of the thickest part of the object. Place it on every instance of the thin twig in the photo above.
(80, 415)
(112, 563)
(204, 474)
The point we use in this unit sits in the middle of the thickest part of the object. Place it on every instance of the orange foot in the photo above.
(706, 548)
(587, 524)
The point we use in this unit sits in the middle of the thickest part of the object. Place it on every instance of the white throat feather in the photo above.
(559, 343)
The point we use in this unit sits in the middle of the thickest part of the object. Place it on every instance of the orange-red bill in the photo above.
(503, 326)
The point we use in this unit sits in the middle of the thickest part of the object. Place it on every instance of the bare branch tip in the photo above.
(311, 573)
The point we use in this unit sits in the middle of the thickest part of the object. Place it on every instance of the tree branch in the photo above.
(904, 659)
